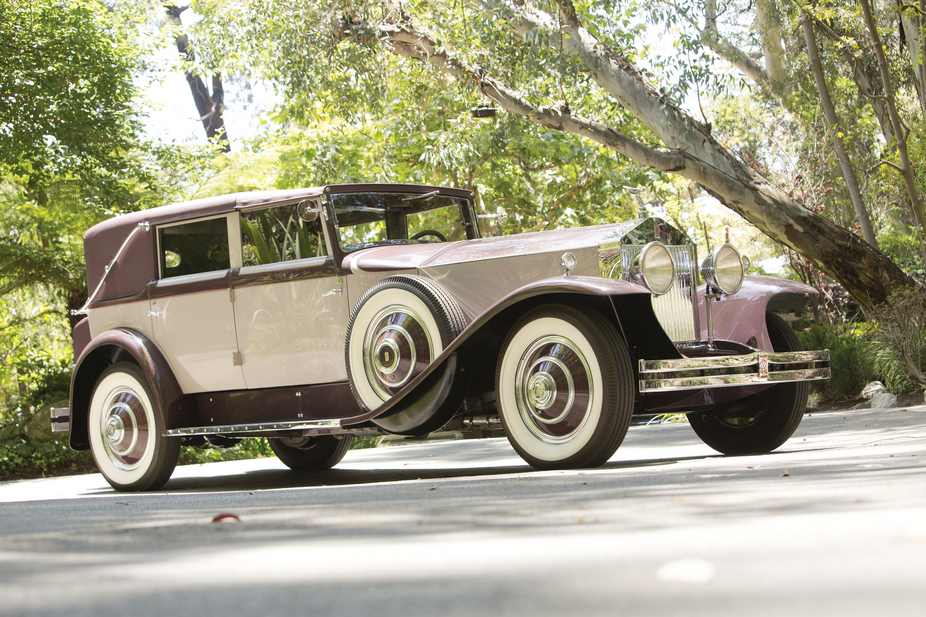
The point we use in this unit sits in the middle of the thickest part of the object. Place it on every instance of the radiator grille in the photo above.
(676, 310)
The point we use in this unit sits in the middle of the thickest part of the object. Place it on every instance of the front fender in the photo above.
(404, 402)
(174, 409)
(741, 317)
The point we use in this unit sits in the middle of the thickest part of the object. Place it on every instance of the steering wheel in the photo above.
(429, 232)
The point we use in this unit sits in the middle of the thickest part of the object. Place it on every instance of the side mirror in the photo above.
(307, 212)
(171, 259)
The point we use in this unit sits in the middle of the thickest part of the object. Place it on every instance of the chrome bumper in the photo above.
(761, 367)
(60, 419)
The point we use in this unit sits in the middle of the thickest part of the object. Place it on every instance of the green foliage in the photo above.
(253, 447)
(21, 456)
(67, 104)
(851, 360)
(899, 340)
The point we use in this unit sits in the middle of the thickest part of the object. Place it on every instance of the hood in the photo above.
(418, 256)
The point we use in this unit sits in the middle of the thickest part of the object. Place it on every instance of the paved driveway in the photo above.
(834, 523)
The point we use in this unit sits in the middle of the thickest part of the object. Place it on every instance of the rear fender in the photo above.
(174, 409)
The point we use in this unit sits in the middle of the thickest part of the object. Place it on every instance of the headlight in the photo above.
(654, 268)
(723, 269)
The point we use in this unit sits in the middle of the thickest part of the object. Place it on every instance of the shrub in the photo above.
(898, 340)
(850, 360)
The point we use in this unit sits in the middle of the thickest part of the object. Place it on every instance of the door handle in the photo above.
(339, 291)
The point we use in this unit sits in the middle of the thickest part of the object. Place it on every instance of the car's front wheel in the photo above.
(125, 435)
(763, 421)
(564, 387)
(311, 453)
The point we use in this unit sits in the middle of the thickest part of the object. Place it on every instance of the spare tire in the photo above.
(396, 330)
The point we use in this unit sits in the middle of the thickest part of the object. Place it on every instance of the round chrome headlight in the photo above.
(723, 269)
(654, 268)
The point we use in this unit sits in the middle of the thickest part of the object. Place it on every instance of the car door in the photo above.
(193, 320)
(290, 307)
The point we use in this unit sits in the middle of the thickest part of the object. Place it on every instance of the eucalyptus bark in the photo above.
(721, 46)
(832, 121)
(768, 24)
(913, 26)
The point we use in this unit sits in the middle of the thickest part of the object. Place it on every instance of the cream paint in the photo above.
(292, 333)
(196, 333)
(126, 315)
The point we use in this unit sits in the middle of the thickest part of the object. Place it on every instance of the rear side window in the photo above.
(191, 248)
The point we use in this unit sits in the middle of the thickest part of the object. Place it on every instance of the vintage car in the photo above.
(315, 315)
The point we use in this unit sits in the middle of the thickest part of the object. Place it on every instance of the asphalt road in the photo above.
(833, 523)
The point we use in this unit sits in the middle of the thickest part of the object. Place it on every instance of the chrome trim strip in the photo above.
(297, 425)
(760, 367)
(692, 364)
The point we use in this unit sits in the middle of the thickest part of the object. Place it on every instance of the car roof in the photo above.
(138, 261)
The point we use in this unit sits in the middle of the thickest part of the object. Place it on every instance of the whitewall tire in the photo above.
(125, 435)
(398, 327)
(564, 388)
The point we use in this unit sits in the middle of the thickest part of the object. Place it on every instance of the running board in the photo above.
(315, 427)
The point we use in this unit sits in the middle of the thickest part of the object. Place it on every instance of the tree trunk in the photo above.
(906, 167)
(211, 107)
(832, 121)
(913, 27)
(692, 153)
(768, 23)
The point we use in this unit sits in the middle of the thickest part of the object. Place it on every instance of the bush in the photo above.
(898, 340)
(851, 360)
(252, 447)
(24, 457)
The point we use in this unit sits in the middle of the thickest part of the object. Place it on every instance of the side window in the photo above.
(191, 248)
(272, 235)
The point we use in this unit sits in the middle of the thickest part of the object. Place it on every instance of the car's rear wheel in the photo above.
(763, 421)
(311, 453)
(125, 432)
(564, 387)
(398, 328)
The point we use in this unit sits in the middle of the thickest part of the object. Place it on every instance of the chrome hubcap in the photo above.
(124, 428)
(553, 389)
(396, 347)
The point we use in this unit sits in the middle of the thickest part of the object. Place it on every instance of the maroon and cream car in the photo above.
(315, 315)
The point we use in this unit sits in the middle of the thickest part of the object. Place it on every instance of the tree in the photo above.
(71, 153)
(211, 107)
(553, 66)
(843, 41)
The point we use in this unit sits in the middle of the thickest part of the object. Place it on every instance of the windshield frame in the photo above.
(396, 203)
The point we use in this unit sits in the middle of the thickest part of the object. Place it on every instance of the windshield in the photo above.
(370, 219)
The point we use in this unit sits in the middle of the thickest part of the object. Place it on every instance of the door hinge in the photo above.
(231, 294)
(237, 360)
